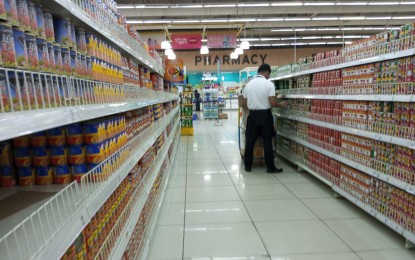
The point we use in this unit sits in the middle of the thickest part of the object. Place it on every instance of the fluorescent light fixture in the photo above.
(168, 52)
(349, 42)
(234, 56)
(262, 45)
(318, 3)
(352, 18)
(325, 18)
(403, 17)
(291, 38)
(270, 19)
(215, 21)
(243, 20)
(317, 43)
(310, 37)
(282, 30)
(298, 43)
(297, 19)
(379, 18)
(327, 37)
(352, 3)
(204, 50)
(287, 4)
(219, 5)
(249, 39)
(281, 44)
(204, 40)
(190, 6)
(269, 39)
(337, 43)
(157, 21)
(154, 6)
(186, 21)
(253, 5)
(125, 6)
(407, 3)
(328, 29)
(140, 6)
(134, 22)
(239, 51)
(383, 3)
(165, 45)
(245, 45)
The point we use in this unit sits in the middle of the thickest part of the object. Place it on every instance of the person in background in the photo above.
(259, 97)
(197, 100)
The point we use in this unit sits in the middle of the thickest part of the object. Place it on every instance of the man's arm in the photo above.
(275, 103)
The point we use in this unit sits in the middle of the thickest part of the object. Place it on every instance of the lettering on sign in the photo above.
(253, 59)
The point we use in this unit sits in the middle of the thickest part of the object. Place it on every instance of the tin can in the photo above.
(7, 176)
(20, 48)
(52, 65)
(76, 155)
(43, 54)
(6, 154)
(8, 52)
(73, 36)
(49, 30)
(56, 136)
(82, 64)
(94, 132)
(58, 155)
(62, 28)
(78, 171)
(88, 67)
(22, 157)
(73, 56)
(74, 134)
(90, 44)
(44, 175)
(95, 153)
(32, 52)
(11, 12)
(21, 141)
(81, 40)
(32, 16)
(40, 21)
(38, 139)
(40, 156)
(26, 176)
(3, 14)
(66, 60)
(23, 14)
(58, 58)
(62, 174)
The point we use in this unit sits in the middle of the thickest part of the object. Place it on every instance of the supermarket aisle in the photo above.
(215, 210)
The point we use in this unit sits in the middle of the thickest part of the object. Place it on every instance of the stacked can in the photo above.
(41, 158)
(7, 171)
(59, 155)
(23, 161)
(76, 151)
(158, 111)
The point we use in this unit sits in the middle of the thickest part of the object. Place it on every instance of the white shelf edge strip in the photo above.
(392, 98)
(371, 172)
(125, 235)
(374, 213)
(388, 56)
(68, 232)
(363, 133)
(27, 122)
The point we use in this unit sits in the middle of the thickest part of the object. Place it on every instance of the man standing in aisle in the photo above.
(259, 96)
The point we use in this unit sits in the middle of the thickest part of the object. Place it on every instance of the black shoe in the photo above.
(275, 170)
(248, 169)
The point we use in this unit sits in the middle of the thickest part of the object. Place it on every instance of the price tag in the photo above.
(411, 189)
(412, 145)
(72, 115)
(373, 212)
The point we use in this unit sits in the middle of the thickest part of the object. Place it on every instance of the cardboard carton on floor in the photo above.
(223, 116)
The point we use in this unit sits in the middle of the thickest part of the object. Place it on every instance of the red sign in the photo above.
(186, 41)
(217, 41)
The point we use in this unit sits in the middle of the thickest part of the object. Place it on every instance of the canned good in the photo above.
(44, 175)
(76, 155)
(62, 174)
(38, 139)
(83, 67)
(20, 48)
(21, 142)
(58, 156)
(66, 60)
(3, 14)
(32, 16)
(23, 15)
(62, 28)
(73, 36)
(7, 176)
(43, 54)
(26, 176)
(74, 58)
(48, 20)
(81, 40)
(40, 156)
(78, 171)
(40, 21)
(52, 65)
(6, 155)
(94, 132)
(74, 134)
(8, 52)
(88, 66)
(22, 157)
(57, 57)
(56, 136)
(32, 52)
(95, 153)
(11, 12)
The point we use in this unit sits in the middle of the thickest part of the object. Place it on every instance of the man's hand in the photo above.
(280, 96)
(283, 103)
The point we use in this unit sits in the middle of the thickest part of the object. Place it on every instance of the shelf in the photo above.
(391, 98)
(388, 56)
(74, 206)
(363, 133)
(68, 9)
(187, 105)
(16, 124)
(369, 171)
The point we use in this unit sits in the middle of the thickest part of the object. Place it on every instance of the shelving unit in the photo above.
(186, 114)
(210, 104)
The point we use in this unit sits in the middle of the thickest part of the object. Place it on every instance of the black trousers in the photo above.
(259, 123)
(197, 106)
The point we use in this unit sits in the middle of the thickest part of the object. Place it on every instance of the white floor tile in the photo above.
(310, 190)
(278, 210)
(174, 195)
(171, 214)
(177, 181)
(266, 191)
(223, 241)
(387, 255)
(216, 212)
(167, 243)
(331, 208)
(206, 180)
(366, 234)
(243, 178)
(295, 237)
(318, 256)
(294, 177)
(214, 193)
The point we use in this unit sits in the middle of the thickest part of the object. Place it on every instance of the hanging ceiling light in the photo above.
(204, 50)
(245, 44)
(172, 56)
(239, 51)
(168, 52)
(165, 45)
(234, 56)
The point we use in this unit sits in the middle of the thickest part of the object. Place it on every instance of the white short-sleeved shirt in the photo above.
(257, 92)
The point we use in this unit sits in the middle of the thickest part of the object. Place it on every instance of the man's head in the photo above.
(264, 70)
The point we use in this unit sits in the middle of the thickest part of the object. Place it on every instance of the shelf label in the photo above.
(372, 212)
(411, 189)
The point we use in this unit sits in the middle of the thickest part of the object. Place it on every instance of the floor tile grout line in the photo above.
(185, 198)
(243, 203)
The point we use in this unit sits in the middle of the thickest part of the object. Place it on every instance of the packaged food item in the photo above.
(11, 12)
(44, 175)
(56, 136)
(66, 60)
(26, 176)
(22, 157)
(73, 36)
(23, 14)
(58, 58)
(62, 174)
(81, 40)
(7, 176)
(78, 171)
(94, 132)
(76, 155)
(52, 65)
(21, 141)
(49, 30)
(95, 153)
(58, 155)
(40, 156)
(38, 139)
(8, 52)
(20, 48)
(32, 16)
(3, 14)
(32, 52)
(40, 21)
(74, 134)
(62, 28)
(43, 54)
(74, 61)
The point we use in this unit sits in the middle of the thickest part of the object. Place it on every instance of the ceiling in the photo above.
(273, 23)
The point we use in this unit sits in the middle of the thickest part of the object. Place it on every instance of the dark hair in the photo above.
(264, 68)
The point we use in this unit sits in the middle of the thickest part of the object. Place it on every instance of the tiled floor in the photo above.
(213, 209)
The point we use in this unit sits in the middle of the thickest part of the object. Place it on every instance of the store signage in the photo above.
(186, 41)
(218, 41)
(252, 59)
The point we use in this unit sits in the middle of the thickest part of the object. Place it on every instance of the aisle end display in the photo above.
(186, 107)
